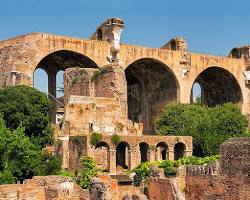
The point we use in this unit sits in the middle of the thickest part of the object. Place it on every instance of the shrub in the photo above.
(89, 171)
(115, 139)
(95, 138)
(99, 73)
(143, 170)
(209, 127)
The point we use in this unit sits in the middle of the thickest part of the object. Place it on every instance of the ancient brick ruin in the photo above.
(114, 88)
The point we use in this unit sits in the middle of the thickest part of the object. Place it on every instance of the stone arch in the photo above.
(39, 76)
(179, 150)
(196, 93)
(123, 156)
(219, 86)
(57, 61)
(162, 152)
(150, 86)
(144, 152)
(102, 157)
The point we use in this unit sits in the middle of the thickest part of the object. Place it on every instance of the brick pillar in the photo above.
(188, 153)
(52, 93)
(152, 155)
(171, 152)
(112, 161)
(65, 152)
(135, 157)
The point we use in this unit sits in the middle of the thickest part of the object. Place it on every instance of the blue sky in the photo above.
(212, 26)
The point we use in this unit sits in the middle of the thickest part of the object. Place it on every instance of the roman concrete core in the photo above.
(151, 85)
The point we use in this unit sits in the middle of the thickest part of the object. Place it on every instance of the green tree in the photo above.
(26, 106)
(89, 171)
(209, 127)
(20, 158)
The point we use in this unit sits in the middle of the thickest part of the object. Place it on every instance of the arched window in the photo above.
(122, 155)
(144, 152)
(162, 151)
(179, 150)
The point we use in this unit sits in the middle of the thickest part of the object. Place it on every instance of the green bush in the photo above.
(20, 158)
(209, 127)
(95, 138)
(115, 139)
(143, 170)
(66, 174)
(50, 165)
(89, 171)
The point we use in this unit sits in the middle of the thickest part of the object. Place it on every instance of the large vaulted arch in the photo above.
(60, 61)
(218, 86)
(150, 86)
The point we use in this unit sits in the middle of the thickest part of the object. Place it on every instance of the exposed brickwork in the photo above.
(44, 188)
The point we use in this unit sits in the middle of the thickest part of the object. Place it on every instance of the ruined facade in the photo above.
(113, 88)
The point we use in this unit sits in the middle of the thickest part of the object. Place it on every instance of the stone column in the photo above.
(112, 161)
(52, 93)
(171, 152)
(65, 151)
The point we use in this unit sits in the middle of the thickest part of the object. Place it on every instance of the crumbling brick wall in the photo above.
(232, 182)
(44, 188)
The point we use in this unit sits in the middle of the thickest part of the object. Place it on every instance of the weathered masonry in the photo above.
(113, 88)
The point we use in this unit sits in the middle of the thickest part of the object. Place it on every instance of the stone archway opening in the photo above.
(151, 85)
(179, 150)
(56, 63)
(162, 151)
(101, 155)
(40, 80)
(123, 155)
(218, 86)
(144, 152)
(196, 93)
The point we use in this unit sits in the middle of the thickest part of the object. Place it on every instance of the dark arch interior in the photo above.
(59, 61)
(99, 34)
(179, 150)
(235, 53)
(144, 151)
(218, 86)
(122, 155)
(151, 85)
(173, 45)
(162, 150)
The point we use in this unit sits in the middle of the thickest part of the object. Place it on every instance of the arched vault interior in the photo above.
(151, 85)
(60, 61)
(218, 86)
